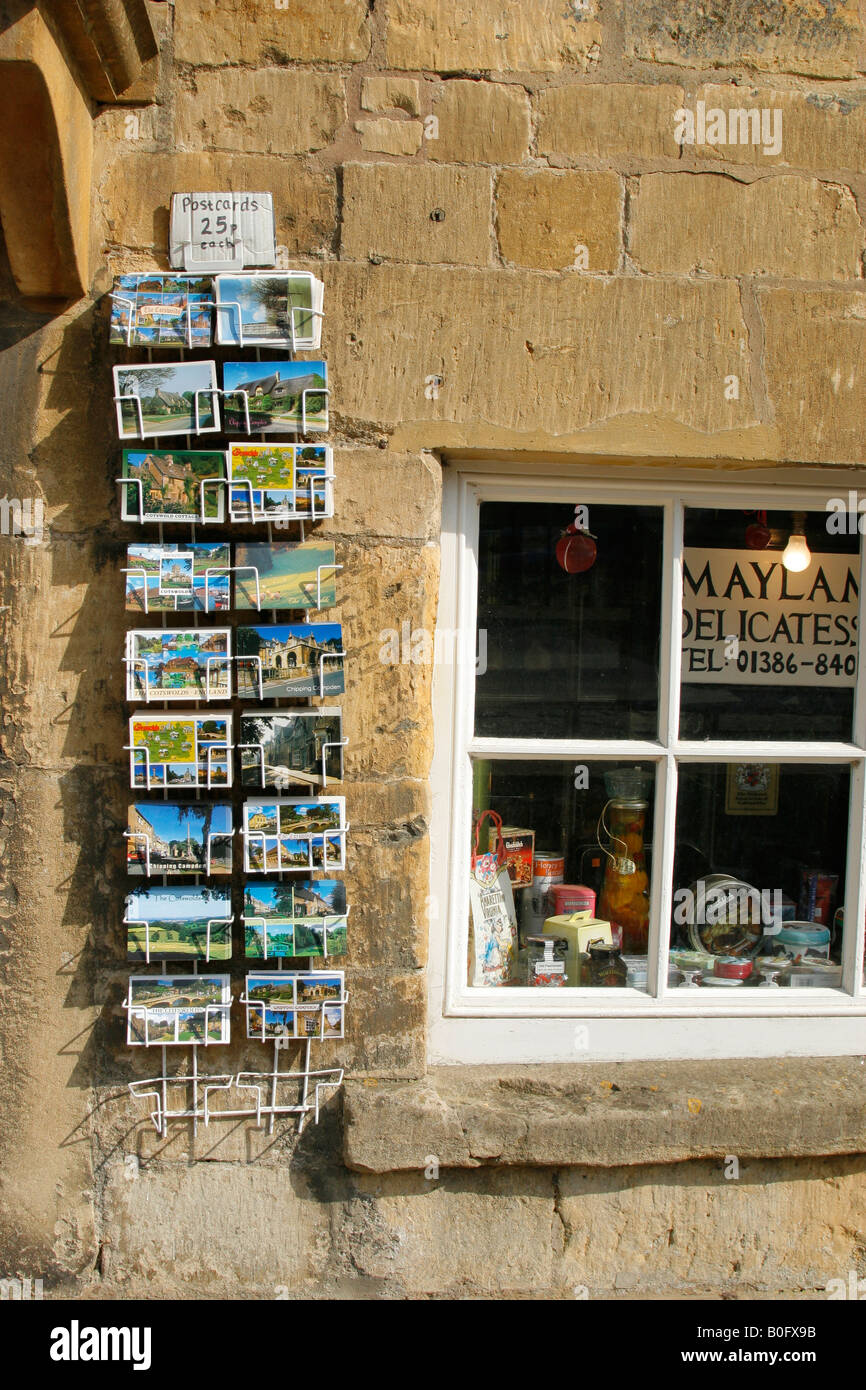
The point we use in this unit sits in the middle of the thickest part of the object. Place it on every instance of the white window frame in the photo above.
(520, 1024)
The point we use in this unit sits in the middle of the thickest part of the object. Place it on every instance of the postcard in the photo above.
(179, 837)
(173, 578)
(291, 747)
(179, 924)
(262, 481)
(314, 484)
(178, 398)
(161, 311)
(168, 1009)
(295, 1004)
(270, 397)
(291, 835)
(295, 918)
(279, 309)
(173, 485)
(297, 659)
(172, 664)
(283, 574)
(178, 751)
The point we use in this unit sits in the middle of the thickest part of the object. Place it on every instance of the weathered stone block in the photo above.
(391, 93)
(480, 123)
(816, 37)
(133, 204)
(544, 218)
(814, 356)
(392, 211)
(787, 226)
(387, 136)
(388, 883)
(255, 31)
(599, 120)
(492, 35)
(209, 1204)
(441, 1236)
(380, 495)
(578, 353)
(646, 1230)
(819, 130)
(392, 595)
(271, 111)
(385, 1022)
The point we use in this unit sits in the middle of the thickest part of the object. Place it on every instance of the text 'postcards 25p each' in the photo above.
(179, 837)
(177, 398)
(295, 917)
(178, 664)
(285, 835)
(275, 397)
(179, 923)
(178, 1010)
(184, 485)
(180, 750)
(295, 1004)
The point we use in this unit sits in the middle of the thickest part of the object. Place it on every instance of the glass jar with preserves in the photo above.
(606, 966)
(625, 893)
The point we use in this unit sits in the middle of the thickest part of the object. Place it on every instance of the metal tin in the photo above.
(571, 897)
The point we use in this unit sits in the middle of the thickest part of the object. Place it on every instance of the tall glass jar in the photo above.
(625, 893)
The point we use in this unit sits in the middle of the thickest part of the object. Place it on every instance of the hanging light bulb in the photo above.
(797, 556)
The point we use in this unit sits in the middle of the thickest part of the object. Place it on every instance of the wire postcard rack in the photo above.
(311, 1085)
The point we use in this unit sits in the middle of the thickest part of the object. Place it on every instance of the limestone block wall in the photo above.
(496, 202)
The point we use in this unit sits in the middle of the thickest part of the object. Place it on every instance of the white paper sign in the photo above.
(749, 621)
(221, 231)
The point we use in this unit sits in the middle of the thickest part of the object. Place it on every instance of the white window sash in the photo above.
(466, 487)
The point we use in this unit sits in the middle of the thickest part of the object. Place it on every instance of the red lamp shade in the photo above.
(576, 551)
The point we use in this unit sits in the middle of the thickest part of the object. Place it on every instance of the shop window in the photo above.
(656, 697)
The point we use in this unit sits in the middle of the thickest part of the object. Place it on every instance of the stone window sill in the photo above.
(606, 1115)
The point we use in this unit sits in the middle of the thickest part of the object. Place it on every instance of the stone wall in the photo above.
(494, 198)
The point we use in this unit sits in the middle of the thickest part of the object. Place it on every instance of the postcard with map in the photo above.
(161, 311)
(178, 924)
(295, 917)
(166, 1010)
(271, 308)
(172, 578)
(180, 751)
(173, 485)
(179, 837)
(178, 398)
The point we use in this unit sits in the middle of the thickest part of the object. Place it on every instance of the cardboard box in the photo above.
(519, 851)
(578, 929)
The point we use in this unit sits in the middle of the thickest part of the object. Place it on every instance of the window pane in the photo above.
(577, 836)
(768, 651)
(568, 654)
(758, 873)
